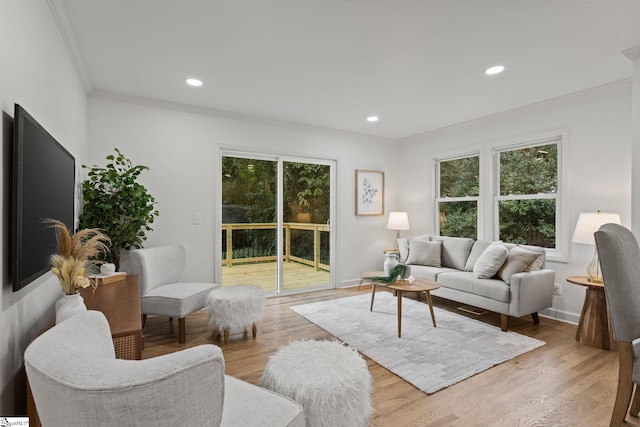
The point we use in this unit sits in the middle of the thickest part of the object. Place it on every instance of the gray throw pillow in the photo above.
(517, 261)
(422, 252)
(403, 245)
(489, 263)
(455, 250)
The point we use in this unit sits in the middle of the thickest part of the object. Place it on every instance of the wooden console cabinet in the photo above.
(120, 303)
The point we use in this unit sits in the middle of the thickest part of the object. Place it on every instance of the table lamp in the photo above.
(588, 223)
(398, 221)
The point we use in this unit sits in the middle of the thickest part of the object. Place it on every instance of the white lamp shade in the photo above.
(590, 222)
(398, 221)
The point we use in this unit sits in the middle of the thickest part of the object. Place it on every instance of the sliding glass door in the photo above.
(276, 222)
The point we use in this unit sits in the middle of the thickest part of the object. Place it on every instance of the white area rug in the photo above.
(427, 357)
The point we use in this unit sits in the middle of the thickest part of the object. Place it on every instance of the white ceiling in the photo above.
(330, 63)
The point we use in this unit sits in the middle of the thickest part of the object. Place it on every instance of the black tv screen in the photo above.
(43, 187)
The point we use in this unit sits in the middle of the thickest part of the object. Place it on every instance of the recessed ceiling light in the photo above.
(194, 82)
(372, 119)
(496, 69)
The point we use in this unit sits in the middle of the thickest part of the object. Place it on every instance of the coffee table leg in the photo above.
(433, 317)
(399, 313)
(373, 294)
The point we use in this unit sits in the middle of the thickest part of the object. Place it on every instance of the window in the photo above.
(512, 192)
(527, 194)
(457, 196)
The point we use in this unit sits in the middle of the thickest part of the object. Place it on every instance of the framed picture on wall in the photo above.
(369, 192)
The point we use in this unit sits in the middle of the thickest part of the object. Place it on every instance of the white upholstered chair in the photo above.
(163, 291)
(620, 261)
(77, 381)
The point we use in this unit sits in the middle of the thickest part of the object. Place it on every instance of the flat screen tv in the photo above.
(43, 186)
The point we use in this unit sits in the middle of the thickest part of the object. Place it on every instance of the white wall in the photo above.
(36, 73)
(182, 150)
(599, 167)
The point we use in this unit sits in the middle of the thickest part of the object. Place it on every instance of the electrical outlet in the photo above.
(557, 289)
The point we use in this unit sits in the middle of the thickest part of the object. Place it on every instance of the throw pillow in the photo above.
(518, 260)
(489, 263)
(455, 250)
(403, 245)
(422, 252)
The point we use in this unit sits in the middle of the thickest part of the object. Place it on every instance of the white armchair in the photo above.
(163, 291)
(77, 381)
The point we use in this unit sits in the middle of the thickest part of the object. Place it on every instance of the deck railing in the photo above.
(288, 256)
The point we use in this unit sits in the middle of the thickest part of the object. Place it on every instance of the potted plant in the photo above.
(118, 205)
(76, 255)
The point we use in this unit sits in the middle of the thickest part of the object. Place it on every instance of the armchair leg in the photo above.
(181, 330)
(625, 383)
(635, 403)
(535, 317)
(504, 322)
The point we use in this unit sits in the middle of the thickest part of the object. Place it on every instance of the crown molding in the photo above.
(537, 106)
(633, 53)
(61, 16)
(211, 112)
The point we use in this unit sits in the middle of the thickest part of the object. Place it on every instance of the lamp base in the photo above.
(593, 270)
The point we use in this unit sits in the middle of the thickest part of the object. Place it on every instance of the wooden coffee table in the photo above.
(419, 285)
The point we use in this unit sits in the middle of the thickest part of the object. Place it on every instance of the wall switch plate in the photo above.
(196, 218)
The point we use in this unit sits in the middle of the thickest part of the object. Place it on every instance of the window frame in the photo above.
(477, 199)
(488, 226)
(559, 253)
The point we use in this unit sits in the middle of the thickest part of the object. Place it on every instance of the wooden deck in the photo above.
(296, 276)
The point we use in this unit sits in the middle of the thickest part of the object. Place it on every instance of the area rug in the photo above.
(429, 358)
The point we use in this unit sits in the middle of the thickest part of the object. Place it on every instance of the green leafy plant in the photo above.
(118, 205)
(396, 272)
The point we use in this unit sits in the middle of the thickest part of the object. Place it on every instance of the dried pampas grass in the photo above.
(75, 253)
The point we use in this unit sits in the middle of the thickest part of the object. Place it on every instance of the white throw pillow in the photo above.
(422, 252)
(489, 263)
(518, 260)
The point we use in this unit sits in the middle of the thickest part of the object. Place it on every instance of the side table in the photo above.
(594, 328)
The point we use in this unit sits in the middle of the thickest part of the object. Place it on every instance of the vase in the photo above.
(107, 268)
(390, 261)
(68, 306)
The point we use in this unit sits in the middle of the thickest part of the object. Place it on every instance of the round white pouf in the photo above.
(234, 307)
(330, 380)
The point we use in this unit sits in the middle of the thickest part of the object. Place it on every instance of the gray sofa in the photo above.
(76, 380)
(505, 278)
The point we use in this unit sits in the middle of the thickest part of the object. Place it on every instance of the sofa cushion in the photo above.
(423, 252)
(429, 273)
(491, 260)
(455, 251)
(517, 261)
(466, 282)
(478, 247)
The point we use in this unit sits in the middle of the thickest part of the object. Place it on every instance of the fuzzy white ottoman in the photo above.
(330, 380)
(234, 307)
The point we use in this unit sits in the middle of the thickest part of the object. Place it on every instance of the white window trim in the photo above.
(487, 227)
(561, 252)
(438, 199)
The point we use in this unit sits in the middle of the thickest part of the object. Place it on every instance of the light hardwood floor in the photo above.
(564, 383)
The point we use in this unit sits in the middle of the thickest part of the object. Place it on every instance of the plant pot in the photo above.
(68, 306)
(107, 268)
(390, 261)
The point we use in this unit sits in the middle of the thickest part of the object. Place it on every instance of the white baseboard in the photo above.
(562, 316)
